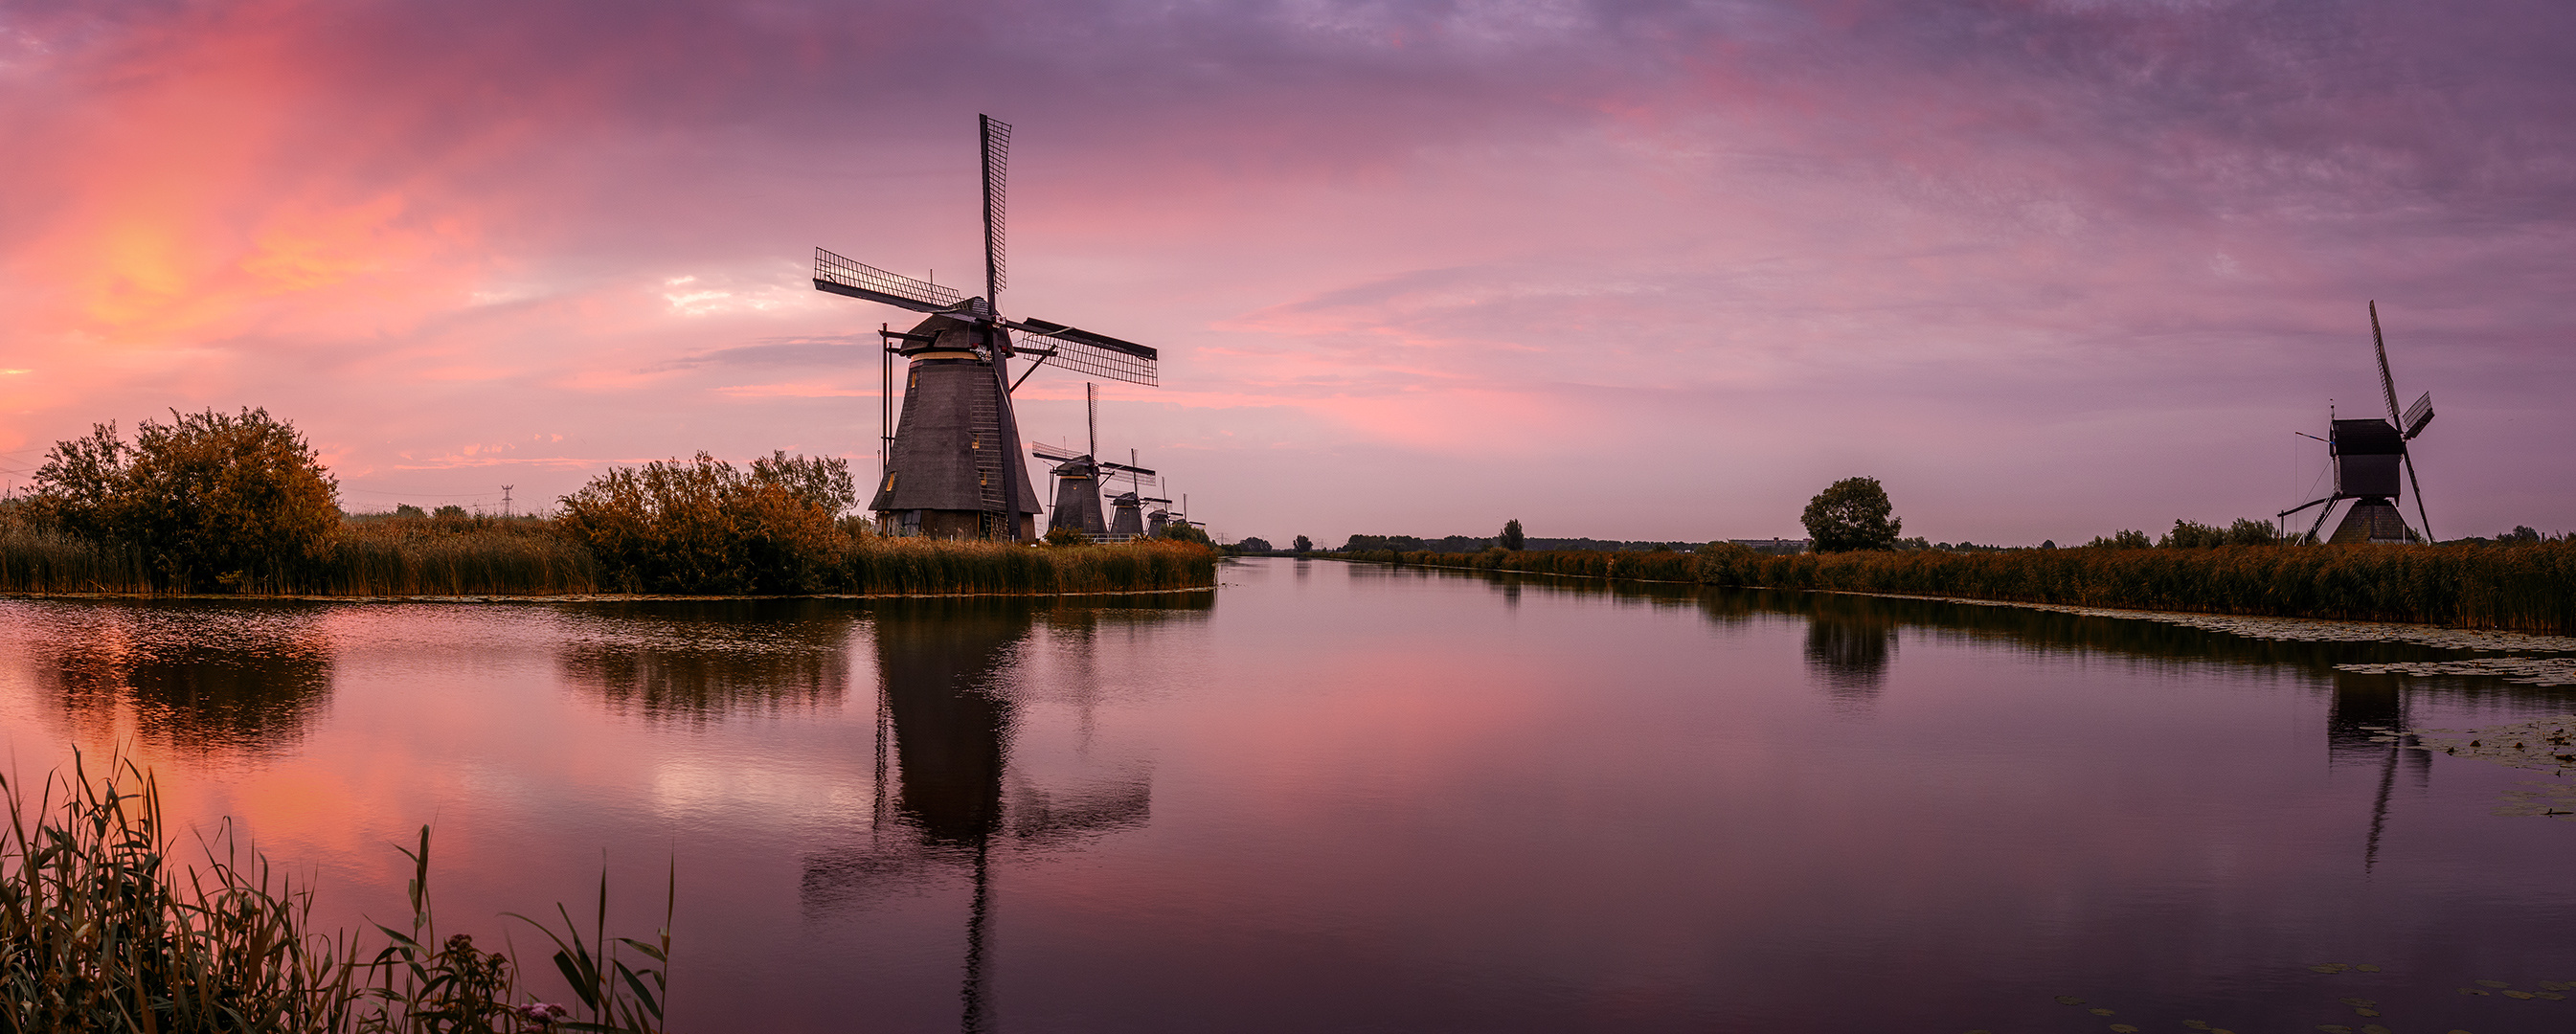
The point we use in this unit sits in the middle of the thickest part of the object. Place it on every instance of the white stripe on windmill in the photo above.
(953, 465)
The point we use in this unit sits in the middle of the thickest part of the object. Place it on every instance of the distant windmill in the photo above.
(2367, 454)
(1077, 476)
(953, 466)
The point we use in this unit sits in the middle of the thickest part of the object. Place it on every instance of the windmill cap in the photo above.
(938, 334)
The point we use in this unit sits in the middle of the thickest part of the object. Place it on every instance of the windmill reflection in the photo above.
(948, 795)
(2366, 724)
(194, 676)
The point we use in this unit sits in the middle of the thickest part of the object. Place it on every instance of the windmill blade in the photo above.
(2425, 521)
(859, 280)
(997, 161)
(1096, 354)
(2387, 385)
(1126, 468)
(2418, 415)
(1050, 452)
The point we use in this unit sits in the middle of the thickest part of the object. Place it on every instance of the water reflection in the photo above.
(703, 659)
(948, 709)
(191, 676)
(1850, 645)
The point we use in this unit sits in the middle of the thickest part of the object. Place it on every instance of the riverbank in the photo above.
(487, 559)
(2523, 588)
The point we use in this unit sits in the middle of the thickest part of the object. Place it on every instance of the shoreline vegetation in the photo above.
(216, 504)
(524, 557)
(2522, 588)
(105, 927)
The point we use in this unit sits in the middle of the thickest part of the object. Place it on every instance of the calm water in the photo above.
(1333, 797)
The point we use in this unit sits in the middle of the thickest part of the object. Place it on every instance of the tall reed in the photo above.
(2530, 588)
(101, 931)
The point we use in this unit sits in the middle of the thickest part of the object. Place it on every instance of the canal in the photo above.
(1332, 796)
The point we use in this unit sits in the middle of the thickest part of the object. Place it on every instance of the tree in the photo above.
(209, 498)
(1511, 537)
(2126, 539)
(706, 526)
(1304, 544)
(1852, 513)
(1253, 544)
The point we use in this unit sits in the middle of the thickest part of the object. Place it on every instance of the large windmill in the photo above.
(953, 467)
(2367, 454)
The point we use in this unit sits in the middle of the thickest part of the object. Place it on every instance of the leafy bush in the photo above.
(1253, 544)
(705, 526)
(1853, 513)
(2127, 539)
(208, 499)
(1304, 545)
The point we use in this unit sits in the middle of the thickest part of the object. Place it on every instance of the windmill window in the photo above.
(912, 381)
(889, 485)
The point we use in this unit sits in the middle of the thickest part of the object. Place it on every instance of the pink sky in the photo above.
(1625, 270)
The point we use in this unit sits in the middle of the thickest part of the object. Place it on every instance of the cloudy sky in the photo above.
(1626, 270)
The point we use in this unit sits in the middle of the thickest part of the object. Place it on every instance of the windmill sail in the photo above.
(859, 280)
(1096, 354)
(997, 161)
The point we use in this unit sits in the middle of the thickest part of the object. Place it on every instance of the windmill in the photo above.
(1077, 484)
(952, 466)
(2367, 454)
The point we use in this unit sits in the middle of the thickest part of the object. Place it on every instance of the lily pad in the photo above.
(2099, 1012)
(2524, 995)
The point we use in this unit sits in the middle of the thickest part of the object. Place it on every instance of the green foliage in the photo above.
(707, 527)
(2189, 535)
(1304, 545)
(408, 510)
(209, 499)
(1066, 535)
(1853, 513)
(1179, 532)
(2247, 531)
(2129, 539)
(1253, 544)
(1511, 538)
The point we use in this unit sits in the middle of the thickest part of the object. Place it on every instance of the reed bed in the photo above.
(929, 566)
(482, 557)
(100, 930)
(39, 560)
(418, 558)
(2526, 588)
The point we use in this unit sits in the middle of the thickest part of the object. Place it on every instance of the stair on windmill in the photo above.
(2368, 456)
(953, 463)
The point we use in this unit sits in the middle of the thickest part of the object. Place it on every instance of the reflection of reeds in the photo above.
(101, 931)
(2530, 588)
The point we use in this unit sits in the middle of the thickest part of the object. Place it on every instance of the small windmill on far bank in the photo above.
(1077, 476)
(2367, 454)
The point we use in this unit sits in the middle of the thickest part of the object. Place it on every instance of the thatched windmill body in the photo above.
(953, 467)
(2367, 457)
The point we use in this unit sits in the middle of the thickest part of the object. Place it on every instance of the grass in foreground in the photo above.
(100, 930)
